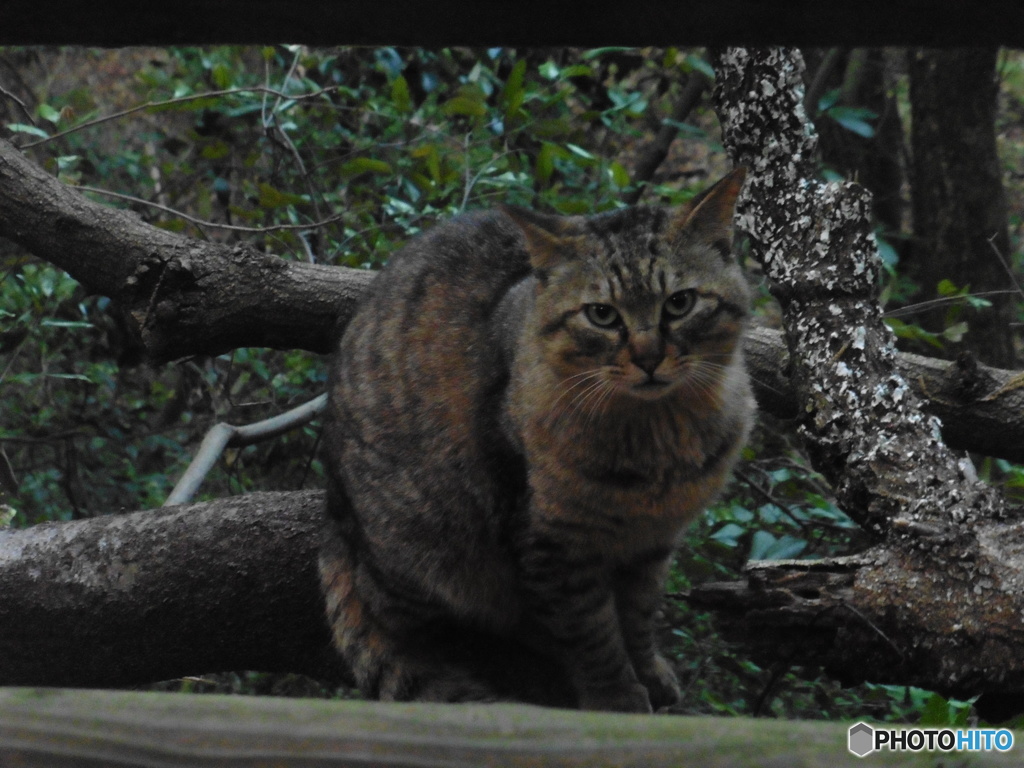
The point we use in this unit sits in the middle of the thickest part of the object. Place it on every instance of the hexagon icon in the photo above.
(861, 739)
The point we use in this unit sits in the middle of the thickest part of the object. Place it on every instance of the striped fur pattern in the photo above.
(525, 412)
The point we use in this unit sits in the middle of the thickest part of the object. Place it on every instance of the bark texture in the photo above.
(938, 601)
(179, 296)
(460, 22)
(131, 599)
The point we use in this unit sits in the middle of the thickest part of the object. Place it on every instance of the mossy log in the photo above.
(57, 728)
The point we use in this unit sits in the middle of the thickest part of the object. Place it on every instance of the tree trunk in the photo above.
(959, 206)
(939, 598)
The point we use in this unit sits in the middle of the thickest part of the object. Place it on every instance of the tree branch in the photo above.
(159, 594)
(179, 296)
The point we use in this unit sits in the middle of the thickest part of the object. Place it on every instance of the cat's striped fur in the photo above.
(524, 413)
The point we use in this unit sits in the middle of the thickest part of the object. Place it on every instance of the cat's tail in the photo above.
(383, 661)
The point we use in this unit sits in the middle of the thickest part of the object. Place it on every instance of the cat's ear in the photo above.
(545, 241)
(708, 217)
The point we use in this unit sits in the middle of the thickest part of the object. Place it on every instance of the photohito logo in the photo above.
(863, 739)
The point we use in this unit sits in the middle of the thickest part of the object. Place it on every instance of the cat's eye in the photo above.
(602, 315)
(680, 303)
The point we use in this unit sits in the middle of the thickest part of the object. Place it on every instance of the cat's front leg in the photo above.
(569, 593)
(638, 590)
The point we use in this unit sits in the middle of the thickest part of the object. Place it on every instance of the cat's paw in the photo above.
(661, 683)
(631, 697)
(436, 683)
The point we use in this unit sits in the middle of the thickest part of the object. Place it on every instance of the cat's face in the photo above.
(641, 303)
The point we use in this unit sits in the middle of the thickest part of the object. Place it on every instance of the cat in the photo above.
(524, 413)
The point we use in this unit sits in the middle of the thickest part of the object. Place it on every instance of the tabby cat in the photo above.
(524, 413)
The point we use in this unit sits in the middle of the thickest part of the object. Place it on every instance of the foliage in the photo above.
(339, 156)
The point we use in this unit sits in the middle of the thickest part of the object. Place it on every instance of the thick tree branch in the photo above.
(129, 599)
(981, 408)
(179, 296)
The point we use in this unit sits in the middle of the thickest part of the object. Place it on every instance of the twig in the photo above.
(272, 129)
(815, 90)
(172, 102)
(1006, 266)
(215, 225)
(223, 435)
(655, 153)
(19, 102)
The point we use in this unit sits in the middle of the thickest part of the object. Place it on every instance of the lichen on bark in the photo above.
(860, 420)
(937, 602)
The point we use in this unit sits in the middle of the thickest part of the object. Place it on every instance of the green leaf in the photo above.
(913, 332)
(595, 52)
(549, 70)
(429, 155)
(700, 64)
(886, 252)
(78, 324)
(546, 160)
(274, 198)
(221, 75)
(216, 150)
(29, 129)
(685, 129)
(364, 165)
(936, 711)
(619, 175)
(828, 100)
(400, 94)
(955, 332)
(577, 70)
(582, 153)
(47, 112)
(465, 106)
(729, 534)
(69, 377)
(514, 94)
(854, 119)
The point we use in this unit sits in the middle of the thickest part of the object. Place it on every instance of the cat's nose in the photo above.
(647, 352)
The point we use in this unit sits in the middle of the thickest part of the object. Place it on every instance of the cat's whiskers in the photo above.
(591, 395)
(583, 378)
(602, 398)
